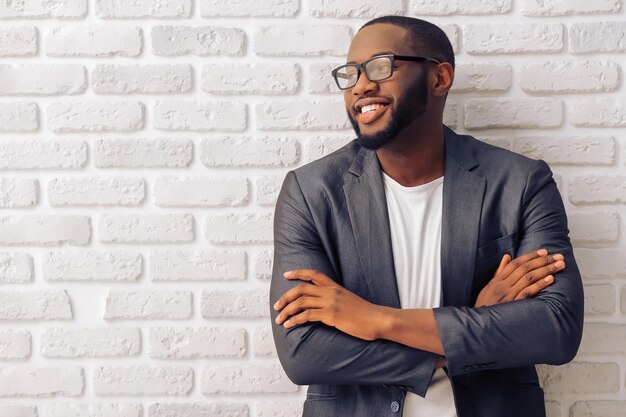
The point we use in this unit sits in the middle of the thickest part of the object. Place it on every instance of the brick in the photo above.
(241, 304)
(262, 152)
(451, 114)
(92, 410)
(143, 153)
(263, 342)
(321, 79)
(239, 228)
(18, 116)
(235, 79)
(18, 41)
(15, 268)
(141, 79)
(67, 381)
(249, 8)
(598, 112)
(96, 191)
(579, 378)
(460, 7)
(148, 305)
(597, 189)
(302, 115)
(198, 265)
(92, 266)
(245, 379)
(263, 264)
(197, 40)
(90, 342)
(568, 7)
(267, 189)
(43, 154)
(142, 380)
(509, 38)
(597, 37)
(603, 339)
(501, 142)
(481, 77)
(488, 113)
(60, 9)
(302, 40)
(320, 146)
(599, 299)
(95, 116)
(623, 300)
(200, 115)
(42, 79)
(93, 41)
(569, 77)
(598, 227)
(610, 408)
(198, 410)
(201, 191)
(35, 305)
(14, 344)
(279, 409)
(18, 411)
(115, 9)
(18, 192)
(146, 228)
(571, 150)
(204, 342)
(52, 229)
(553, 409)
(601, 263)
(360, 9)
(453, 33)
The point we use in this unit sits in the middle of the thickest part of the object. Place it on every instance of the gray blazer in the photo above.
(331, 215)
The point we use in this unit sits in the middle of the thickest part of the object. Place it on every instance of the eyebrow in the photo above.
(373, 55)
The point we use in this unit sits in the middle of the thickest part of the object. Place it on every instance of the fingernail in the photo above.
(549, 278)
(559, 264)
(286, 273)
(558, 257)
(542, 252)
(276, 305)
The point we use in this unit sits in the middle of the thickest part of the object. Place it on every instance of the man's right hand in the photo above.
(523, 277)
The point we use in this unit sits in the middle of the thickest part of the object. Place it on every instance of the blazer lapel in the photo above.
(463, 193)
(367, 208)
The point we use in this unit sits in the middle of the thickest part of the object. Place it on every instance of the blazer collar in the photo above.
(463, 193)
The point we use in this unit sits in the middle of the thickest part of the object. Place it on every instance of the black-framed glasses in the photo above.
(377, 68)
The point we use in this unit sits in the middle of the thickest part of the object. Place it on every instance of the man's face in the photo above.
(390, 105)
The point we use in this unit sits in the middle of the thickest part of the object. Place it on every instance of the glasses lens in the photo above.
(346, 76)
(379, 68)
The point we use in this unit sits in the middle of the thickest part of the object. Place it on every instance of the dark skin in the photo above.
(415, 156)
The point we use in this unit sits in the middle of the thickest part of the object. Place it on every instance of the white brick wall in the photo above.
(142, 148)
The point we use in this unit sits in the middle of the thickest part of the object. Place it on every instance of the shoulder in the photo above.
(329, 168)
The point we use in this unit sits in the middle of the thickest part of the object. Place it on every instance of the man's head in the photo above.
(418, 83)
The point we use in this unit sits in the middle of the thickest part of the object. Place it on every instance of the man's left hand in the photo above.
(322, 299)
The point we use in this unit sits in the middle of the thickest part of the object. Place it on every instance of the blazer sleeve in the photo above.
(314, 353)
(544, 329)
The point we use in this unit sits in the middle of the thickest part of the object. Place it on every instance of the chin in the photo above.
(377, 138)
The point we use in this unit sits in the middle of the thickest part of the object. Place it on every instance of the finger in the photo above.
(520, 261)
(295, 292)
(534, 289)
(311, 275)
(304, 317)
(503, 262)
(300, 304)
(536, 275)
(525, 265)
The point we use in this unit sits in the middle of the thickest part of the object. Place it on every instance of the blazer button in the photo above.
(395, 406)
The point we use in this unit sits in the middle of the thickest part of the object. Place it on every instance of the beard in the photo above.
(409, 106)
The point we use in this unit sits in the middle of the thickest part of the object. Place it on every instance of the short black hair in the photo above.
(426, 37)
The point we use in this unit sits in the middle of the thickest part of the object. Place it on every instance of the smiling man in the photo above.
(419, 272)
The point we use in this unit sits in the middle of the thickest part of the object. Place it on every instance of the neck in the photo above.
(416, 156)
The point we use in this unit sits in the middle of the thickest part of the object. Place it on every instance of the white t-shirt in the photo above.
(415, 220)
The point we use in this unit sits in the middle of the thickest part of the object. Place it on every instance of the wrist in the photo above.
(384, 322)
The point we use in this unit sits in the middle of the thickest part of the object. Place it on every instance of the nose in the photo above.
(363, 85)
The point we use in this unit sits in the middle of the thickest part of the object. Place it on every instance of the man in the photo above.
(392, 259)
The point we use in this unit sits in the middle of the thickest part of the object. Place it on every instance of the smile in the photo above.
(371, 112)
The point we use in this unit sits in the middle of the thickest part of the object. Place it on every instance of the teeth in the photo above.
(369, 108)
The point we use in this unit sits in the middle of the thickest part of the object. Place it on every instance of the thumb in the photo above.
(504, 262)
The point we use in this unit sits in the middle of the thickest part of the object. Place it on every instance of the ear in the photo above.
(443, 78)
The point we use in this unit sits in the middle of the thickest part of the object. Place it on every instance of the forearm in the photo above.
(415, 328)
